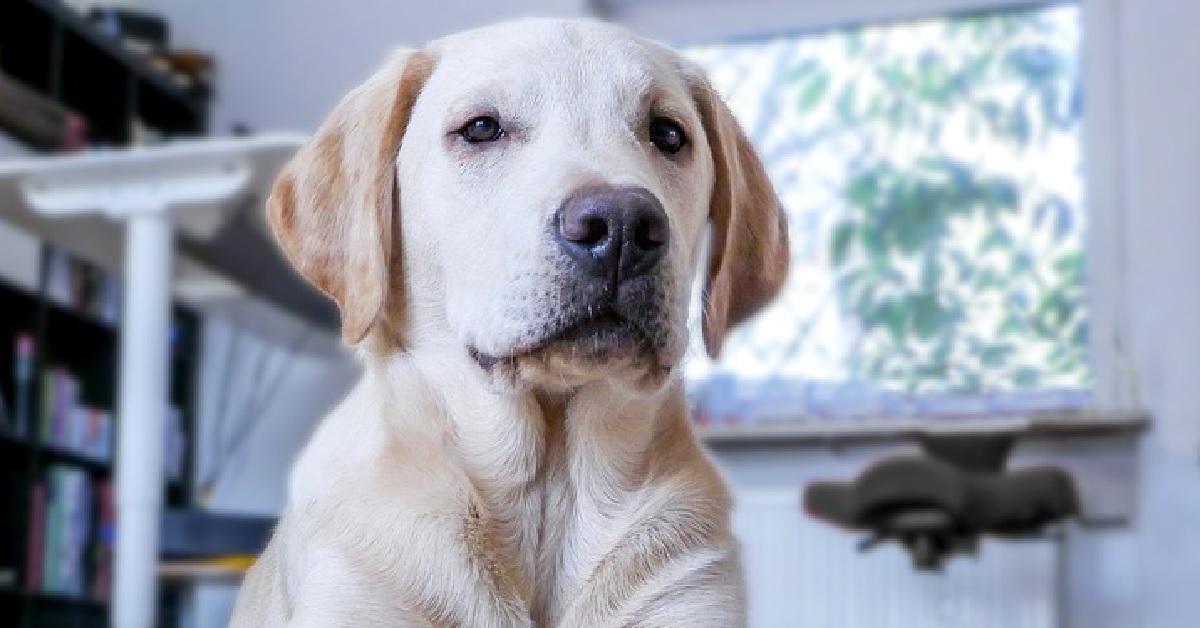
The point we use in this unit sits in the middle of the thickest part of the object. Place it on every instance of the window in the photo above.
(932, 175)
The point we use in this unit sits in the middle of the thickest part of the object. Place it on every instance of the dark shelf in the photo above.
(78, 26)
(53, 599)
(8, 439)
(89, 349)
(54, 454)
(56, 599)
(13, 592)
(98, 325)
(53, 50)
(58, 55)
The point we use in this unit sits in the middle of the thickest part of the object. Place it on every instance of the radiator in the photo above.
(804, 574)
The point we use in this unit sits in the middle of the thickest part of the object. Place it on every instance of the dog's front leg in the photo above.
(425, 572)
(450, 595)
(646, 585)
(706, 592)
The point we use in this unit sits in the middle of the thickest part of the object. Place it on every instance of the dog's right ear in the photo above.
(334, 206)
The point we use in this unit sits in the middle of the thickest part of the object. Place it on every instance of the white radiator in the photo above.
(804, 574)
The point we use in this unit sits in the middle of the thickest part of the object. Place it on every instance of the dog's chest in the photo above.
(555, 506)
(560, 529)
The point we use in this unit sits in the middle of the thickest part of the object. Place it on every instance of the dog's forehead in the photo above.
(573, 52)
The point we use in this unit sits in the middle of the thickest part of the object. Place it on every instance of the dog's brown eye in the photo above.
(482, 129)
(667, 135)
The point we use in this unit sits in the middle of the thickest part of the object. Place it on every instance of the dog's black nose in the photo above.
(613, 232)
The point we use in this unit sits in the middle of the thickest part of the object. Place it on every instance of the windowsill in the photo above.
(1048, 425)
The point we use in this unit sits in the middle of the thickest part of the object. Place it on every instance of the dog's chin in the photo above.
(592, 351)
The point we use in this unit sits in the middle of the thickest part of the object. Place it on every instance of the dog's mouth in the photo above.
(594, 339)
(602, 333)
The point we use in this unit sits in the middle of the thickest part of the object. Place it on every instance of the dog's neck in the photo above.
(549, 470)
(504, 436)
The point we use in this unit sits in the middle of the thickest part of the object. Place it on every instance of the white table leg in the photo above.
(142, 417)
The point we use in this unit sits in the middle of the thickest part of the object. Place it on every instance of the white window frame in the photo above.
(705, 21)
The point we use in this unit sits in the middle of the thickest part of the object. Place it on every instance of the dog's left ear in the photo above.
(749, 257)
(334, 207)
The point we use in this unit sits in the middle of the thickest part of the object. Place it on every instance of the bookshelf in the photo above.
(59, 352)
(70, 86)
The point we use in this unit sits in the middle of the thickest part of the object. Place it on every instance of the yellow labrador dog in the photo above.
(510, 220)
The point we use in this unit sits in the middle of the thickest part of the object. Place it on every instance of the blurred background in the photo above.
(994, 229)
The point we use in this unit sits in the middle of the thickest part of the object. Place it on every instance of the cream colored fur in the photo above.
(557, 493)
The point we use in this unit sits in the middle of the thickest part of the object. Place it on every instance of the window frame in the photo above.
(707, 21)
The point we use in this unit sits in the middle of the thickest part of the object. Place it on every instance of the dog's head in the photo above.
(535, 193)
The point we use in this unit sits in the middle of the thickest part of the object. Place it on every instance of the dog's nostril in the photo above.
(650, 233)
(588, 230)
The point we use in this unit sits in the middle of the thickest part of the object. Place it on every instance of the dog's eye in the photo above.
(482, 129)
(667, 135)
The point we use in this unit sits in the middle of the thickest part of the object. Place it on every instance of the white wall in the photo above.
(698, 21)
(284, 63)
(1161, 163)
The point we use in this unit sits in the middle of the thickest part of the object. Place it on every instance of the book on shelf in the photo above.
(8, 577)
(71, 535)
(67, 532)
(82, 287)
(38, 120)
(70, 425)
(22, 384)
(175, 450)
(106, 534)
(7, 421)
(37, 536)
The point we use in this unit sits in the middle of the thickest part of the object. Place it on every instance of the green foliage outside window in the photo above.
(931, 171)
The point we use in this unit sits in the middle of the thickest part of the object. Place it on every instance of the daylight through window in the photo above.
(931, 172)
